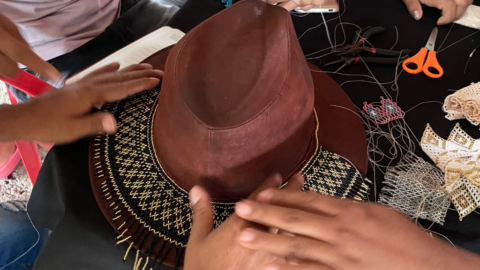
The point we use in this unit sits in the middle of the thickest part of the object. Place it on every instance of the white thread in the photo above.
(443, 237)
(339, 16)
(333, 49)
(439, 51)
(396, 41)
(398, 135)
(32, 247)
(445, 39)
(425, 102)
(326, 29)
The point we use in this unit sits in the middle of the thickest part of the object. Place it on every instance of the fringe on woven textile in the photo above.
(412, 187)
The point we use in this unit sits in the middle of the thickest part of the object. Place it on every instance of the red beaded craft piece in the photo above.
(385, 113)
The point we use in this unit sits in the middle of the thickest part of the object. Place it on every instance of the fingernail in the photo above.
(108, 125)
(272, 267)
(243, 209)
(194, 196)
(298, 8)
(416, 15)
(265, 196)
(247, 236)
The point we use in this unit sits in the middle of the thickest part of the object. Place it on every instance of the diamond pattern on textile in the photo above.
(465, 197)
(458, 158)
(327, 174)
(413, 187)
(387, 112)
(134, 184)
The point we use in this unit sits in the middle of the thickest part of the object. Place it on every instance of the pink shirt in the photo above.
(56, 27)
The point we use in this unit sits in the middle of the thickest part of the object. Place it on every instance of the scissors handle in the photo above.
(432, 63)
(418, 60)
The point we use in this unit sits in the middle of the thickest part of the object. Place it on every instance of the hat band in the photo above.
(148, 209)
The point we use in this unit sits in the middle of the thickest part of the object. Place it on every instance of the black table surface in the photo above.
(82, 238)
(413, 89)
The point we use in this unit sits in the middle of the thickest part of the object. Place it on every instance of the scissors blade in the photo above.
(431, 40)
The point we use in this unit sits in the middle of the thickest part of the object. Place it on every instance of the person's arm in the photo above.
(10, 120)
(329, 233)
(452, 10)
(67, 114)
(218, 249)
(14, 49)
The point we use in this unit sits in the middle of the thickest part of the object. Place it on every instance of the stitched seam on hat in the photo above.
(253, 117)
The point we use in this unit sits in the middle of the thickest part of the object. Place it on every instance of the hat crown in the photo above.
(231, 68)
(236, 103)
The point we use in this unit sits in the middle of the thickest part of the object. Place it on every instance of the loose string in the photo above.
(397, 134)
(456, 42)
(28, 250)
(425, 102)
(445, 39)
(314, 27)
(396, 40)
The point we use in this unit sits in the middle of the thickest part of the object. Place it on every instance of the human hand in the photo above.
(218, 249)
(452, 10)
(297, 4)
(67, 114)
(14, 49)
(329, 233)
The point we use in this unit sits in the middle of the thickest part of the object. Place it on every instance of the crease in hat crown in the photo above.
(236, 102)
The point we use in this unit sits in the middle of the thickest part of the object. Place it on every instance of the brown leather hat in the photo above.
(238, 103)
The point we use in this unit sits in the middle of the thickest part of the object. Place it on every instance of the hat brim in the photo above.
(341, 127)
(340, 131)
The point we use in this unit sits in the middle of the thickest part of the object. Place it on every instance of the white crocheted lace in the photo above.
(458, 158)
(413, 188)
(465, 103)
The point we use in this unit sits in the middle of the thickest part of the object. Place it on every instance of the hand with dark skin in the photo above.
(452, 10)
(68, 114)
(327, 233)
(219, 249)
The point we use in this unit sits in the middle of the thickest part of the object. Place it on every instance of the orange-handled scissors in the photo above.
(431, 64)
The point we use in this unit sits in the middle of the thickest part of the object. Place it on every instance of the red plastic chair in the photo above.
(32, 86)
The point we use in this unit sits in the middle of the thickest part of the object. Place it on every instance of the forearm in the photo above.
(13, 123)
(464, 260)
(445, 257)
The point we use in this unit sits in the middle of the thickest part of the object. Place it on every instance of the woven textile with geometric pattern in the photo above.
(238, 102)
(458, 158)
(413, 187)
(387, 112)
(137, 188)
